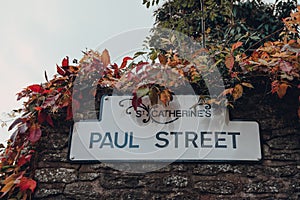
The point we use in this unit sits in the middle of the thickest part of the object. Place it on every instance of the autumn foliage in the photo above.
(279, 60)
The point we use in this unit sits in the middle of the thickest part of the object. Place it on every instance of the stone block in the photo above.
(55, 175)
(215, 187)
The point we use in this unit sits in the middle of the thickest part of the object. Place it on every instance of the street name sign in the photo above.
(185, 130)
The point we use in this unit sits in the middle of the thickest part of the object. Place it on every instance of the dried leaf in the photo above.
(249, 85)
(227, 91)
(229, 62)
(237, 92)
(153, 96)
(105, 58)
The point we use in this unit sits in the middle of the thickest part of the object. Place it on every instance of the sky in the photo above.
(37, 34)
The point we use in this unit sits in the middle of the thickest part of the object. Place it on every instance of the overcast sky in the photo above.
(37, 34)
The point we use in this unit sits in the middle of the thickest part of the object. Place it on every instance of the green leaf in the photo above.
(143, 91)
(137, 54)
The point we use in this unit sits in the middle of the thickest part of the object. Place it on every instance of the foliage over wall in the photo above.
(226, 21)
(278, 60)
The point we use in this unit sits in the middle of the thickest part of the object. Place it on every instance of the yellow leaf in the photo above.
(237, 92)
(105, 58)
(249, 85)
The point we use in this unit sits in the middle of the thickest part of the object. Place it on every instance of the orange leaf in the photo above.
(162, 59)
(105, 58)
(237, 91)
(282, 90)
(7, 188)
(165, 97)
(235, 46)
(229, 62)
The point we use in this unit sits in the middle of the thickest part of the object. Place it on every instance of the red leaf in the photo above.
(140, 66)
(35, 133)
(115, 66)
(116, 72)
(49, 120)
(65, 62)
(69, 113)
(23, 160)
(124, 63)
(136, 101)
(41, 117)
(35, 88)
(47, 91)
(17, 121)
(38, 108)
(50, 101)
(60, 70)
(27, 183)
(59, 89)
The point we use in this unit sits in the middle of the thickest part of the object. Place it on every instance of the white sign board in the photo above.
(185, 130)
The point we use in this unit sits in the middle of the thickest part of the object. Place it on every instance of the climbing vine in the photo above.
(278, 60)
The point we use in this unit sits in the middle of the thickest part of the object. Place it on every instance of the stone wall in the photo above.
(275, 177)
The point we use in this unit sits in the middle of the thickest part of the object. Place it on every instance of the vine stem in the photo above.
(263, 39)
